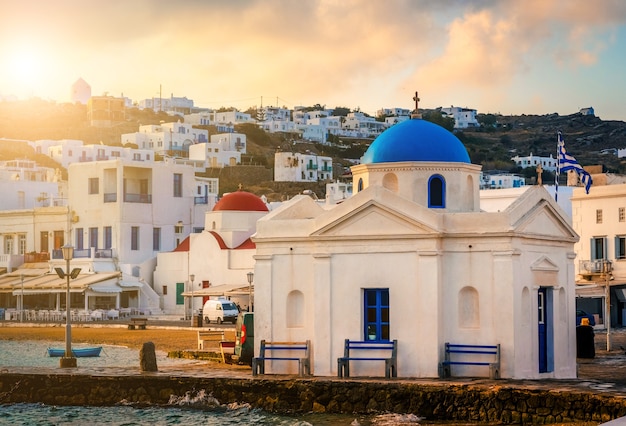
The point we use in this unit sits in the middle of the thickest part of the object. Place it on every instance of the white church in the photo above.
(411, 256)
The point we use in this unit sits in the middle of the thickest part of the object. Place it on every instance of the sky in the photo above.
(495, 56)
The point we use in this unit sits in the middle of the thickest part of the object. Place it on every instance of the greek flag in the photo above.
(567, 162)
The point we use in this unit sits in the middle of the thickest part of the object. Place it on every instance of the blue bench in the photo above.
(269, 351)
(480, 351)
(365, 347)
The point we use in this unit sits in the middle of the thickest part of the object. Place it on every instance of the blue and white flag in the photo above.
(567, 162)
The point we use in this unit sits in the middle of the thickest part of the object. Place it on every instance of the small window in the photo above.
(436, 192)
(156, 239)
(178, 185)
(620, 247)
(93, 185)
(376, 314)
(621, 214)
(164, 290)
(134, 238)
(599, 216)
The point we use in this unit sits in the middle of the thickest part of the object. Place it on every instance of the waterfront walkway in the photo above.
(604, 374)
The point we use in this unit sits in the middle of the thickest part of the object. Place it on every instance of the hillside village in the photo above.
(160, 201)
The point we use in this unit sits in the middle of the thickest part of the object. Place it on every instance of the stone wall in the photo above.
(444, 401)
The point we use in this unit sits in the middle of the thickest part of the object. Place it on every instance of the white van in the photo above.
(219, 310)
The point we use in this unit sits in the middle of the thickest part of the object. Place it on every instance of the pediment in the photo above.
(545, 221)
(373, 219)
(544, 264)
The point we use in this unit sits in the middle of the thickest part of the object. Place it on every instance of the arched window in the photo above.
(360, 185)
(436, 192)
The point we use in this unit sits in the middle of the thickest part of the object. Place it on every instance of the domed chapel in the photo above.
(411, 257)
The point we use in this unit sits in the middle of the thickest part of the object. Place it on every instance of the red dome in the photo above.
(241, 201)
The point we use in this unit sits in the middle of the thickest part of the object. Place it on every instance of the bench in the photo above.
(480, 351)
(139, 323)
(269, 351)
(364, 347)
(213, 341)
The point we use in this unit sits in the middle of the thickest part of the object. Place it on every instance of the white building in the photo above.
(600, 219)
(394, 112)
(223, 150)
(232, 117)
(80, 92)
(26, 185)
(135, 209)
(463, 117)
(171, 104)
(411, 256)
(547, 163)
(167, 139)
(219, 257)
(366, 126)
(297, 167)
(501, 180)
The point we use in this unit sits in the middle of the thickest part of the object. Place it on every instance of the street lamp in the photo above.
(22, 299)
(68, 361)
(607, 269)
(250, 279)
(192, 277)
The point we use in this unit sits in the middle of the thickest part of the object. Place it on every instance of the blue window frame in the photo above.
(436, 192)
(79, 239)
(376, 312)
(108, 237)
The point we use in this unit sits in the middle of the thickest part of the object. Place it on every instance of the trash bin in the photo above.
(585, 343)
(196, 320)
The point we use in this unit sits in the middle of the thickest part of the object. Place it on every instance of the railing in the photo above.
(36, 257)
(110, 197)
(103, 253)
(311, 166)
(201, 200)
(102, 157)
(326, 169)
(82, 253)
(138, 198)
(595, 266)
(85, 159)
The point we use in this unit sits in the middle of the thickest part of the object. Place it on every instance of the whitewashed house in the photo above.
(297, 167)
(411, 256)
(463, 117)
(135, 209)
(600, 219)
(547, 163)
(25, 185)
(218, 257)
(224, 149)
(167, 139)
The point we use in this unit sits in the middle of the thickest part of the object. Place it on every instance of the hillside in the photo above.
(492, 147)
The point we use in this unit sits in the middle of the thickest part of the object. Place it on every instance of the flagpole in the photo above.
(558, 167)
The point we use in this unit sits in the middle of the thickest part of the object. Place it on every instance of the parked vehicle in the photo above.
(219, 310)
(244, 338)
(580, 314)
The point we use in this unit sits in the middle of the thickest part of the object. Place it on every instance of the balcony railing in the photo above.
(82, 253)
(110, 197)
(595, 266)
(311, 166)
(326, 169)
(201, 200)
(138, 198)
(36, 257)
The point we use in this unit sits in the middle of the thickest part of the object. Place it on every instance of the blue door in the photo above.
(543, 335)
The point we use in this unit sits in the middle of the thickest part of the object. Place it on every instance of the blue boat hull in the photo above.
(77, 352)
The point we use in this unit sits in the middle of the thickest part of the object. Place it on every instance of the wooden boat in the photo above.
(77, 352)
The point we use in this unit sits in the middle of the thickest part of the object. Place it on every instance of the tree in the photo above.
(438, 118)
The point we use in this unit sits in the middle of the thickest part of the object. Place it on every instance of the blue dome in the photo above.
(416, 140)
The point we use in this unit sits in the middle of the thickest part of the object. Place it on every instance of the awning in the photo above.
(218, 290)
(51, 283)
(592, 290)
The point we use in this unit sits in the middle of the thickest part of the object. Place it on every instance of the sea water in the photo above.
(191, 409)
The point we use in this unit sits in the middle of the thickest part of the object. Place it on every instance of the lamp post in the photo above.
(607, 269)
(191, 278)
(250, 279)
(22, 299)
(68, 361)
